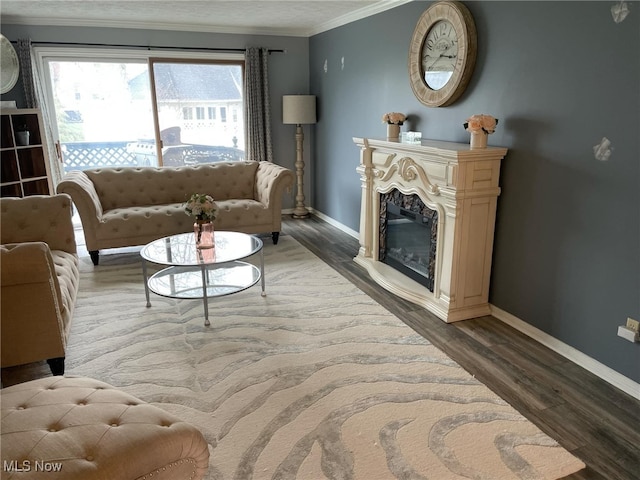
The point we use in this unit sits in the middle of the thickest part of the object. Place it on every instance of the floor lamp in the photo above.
(298, 110)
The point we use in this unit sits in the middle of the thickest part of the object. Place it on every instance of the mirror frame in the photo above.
(10, 65)
(459, 16)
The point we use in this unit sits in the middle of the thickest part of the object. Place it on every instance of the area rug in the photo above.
(315, 380)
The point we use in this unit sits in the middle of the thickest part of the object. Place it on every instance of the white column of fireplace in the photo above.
(462, 186)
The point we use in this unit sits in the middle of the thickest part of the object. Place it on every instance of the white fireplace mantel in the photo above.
(462, 186)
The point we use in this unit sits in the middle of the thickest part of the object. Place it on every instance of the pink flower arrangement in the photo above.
(481, 122)
(394, 118)
(201, 206)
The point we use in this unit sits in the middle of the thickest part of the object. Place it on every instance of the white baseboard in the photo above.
(576, 356)
(335, 223)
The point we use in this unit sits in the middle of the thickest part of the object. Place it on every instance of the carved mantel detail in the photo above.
(462, 186)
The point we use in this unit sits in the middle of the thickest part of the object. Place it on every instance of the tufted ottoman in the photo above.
(76, 428)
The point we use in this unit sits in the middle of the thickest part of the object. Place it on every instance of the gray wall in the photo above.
(288, 72)
(559, 76)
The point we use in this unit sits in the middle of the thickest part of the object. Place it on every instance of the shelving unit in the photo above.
(24, 169)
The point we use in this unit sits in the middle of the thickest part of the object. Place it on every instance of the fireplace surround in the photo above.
(460, 186)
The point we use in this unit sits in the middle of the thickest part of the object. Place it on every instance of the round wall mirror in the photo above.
(439, 54)
(9, 65)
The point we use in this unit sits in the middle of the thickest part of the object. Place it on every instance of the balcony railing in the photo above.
(85, 155)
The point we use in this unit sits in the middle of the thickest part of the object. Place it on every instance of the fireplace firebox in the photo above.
(408, 235)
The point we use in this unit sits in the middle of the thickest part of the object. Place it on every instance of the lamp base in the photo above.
(300, 213)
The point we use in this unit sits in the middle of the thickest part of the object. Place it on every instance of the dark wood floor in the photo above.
(592, 419)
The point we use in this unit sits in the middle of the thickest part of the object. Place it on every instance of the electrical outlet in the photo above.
(633, 324)
(628, 334)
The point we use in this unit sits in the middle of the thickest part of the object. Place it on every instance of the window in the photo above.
(223, 114)
(107, 113)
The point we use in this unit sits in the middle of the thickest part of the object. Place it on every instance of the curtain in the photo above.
(24, 57)
(257, 109)
(34, 95)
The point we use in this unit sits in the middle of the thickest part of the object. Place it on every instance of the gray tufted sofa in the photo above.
(40, 279)
(77, 428)
(129, 206)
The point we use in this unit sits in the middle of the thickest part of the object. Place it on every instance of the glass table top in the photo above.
(180, 250)
(187, 283)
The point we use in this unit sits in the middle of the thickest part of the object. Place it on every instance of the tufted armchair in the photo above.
(129, 206)
(39, 283)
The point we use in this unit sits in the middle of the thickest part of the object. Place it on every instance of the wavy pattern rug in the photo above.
(314, 381)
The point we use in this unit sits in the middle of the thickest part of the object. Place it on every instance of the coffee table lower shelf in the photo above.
(204, 282)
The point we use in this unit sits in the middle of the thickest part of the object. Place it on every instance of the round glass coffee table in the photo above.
(193, 273)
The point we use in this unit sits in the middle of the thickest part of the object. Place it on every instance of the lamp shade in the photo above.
(299, 109)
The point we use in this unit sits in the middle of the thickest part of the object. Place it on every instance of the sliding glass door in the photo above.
(146, 111)
(97, 114)
(199, 111)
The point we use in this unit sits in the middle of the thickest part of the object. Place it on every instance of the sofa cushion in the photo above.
(157, 221)
(154, 221)
(127, 187)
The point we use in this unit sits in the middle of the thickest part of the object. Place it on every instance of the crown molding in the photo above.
(184, 27)
(364, 12)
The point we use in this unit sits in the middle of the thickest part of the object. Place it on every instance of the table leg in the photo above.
(262, 281)
(145, 279)
(205, 301)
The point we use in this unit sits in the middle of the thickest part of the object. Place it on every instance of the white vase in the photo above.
(393, 131)
(22, 138)
(478, 140)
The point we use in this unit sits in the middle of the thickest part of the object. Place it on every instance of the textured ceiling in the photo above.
(270, 17)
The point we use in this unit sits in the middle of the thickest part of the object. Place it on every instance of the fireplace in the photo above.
(427, 220)
(408, 234)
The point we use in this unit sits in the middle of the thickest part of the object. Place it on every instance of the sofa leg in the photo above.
(275, 236)
(94, 254)
(56, 365)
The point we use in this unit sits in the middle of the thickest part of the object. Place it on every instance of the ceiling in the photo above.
(262, 17)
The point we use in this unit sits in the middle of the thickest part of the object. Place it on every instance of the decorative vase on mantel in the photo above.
(393, 131)
(478, 140)
(480, 126)
(204, 233)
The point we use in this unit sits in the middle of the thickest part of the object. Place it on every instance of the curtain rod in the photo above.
(149, 47)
